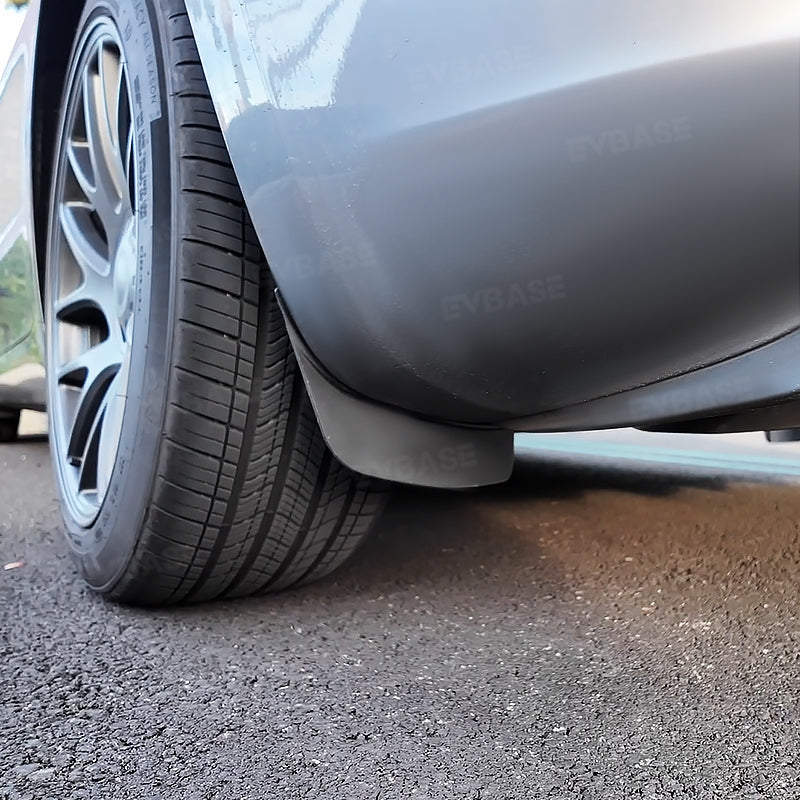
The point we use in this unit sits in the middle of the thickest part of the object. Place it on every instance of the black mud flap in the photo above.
(388, 443)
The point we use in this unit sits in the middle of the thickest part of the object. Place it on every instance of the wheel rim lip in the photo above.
(84, 504)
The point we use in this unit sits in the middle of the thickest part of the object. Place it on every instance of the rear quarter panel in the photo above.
(483, 211)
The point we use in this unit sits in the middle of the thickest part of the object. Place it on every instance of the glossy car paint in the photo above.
(479, 212)
(21, 329)
(530, 215)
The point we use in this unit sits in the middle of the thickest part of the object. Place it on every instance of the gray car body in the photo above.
(508, 216)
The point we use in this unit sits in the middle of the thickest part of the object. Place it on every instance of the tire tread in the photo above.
(247, 496)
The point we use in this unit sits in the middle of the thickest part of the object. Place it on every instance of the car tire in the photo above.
(220, 482)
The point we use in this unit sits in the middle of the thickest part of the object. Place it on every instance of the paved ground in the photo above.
(593, 630)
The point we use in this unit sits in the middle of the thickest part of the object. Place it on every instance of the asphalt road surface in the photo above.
(603, 628)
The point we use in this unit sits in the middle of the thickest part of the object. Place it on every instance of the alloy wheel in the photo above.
(92, 271)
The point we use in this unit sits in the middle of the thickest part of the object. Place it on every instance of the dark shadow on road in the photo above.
(428, 542)
(547, 476)
(31, 438)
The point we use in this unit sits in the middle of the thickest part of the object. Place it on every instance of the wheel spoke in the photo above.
(80, 160)
(83, 239)
(87, 464)
(110, 73)
(93, 372)
(94, 292)
(78, 300)
(93, 361)
(110, 429)
(110, 195)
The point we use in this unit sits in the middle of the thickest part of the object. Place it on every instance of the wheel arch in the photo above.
(54, 40)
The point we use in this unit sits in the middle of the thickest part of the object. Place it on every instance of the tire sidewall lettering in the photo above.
(103, 557)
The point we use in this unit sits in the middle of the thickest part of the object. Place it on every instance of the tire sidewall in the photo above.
(104, 549)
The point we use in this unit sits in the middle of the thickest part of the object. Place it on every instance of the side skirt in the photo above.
(757, 390)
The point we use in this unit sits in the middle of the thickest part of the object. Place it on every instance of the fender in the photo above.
(501, 217)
